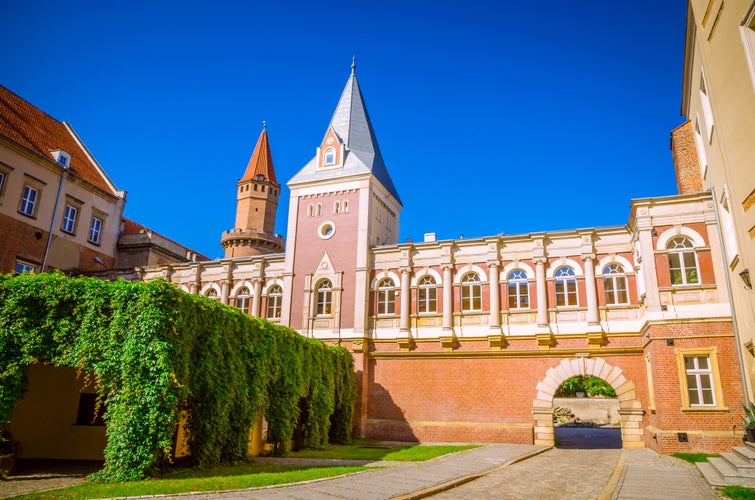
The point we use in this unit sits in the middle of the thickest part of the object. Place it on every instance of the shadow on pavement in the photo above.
(588, 438)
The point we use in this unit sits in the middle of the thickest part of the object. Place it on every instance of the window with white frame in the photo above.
(243, 299)
(471, 292)
(337, 207)
(702, 157)
(69, 219)
(727, 228)
(707, 110)
(345, 206)
(329, 157)
(682, 261)
(386, 296)
(565, 286)
(318, 209)
(700, 389)
(95, 230)
(274, 302)
(29, 201)
(747, 27)
(24, 267)
(324, 298)
(615, 284)
(427, 295)
(518, 290)
(212, 294)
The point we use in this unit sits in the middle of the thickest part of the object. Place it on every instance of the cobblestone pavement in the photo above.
(36, 476)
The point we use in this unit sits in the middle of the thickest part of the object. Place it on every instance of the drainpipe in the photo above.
(712, 192)
(54, 213)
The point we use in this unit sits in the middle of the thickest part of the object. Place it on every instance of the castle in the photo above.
(469, 339)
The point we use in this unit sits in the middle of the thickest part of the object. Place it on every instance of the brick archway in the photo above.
(630, 408)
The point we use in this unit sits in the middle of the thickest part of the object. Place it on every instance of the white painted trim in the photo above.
(276, 281)
(578, 273)
(235, 289)
(206, 288)
(468, 269)
(514, 265)
(628, 268)
(673, 232)
(424, 272)
(385, 274)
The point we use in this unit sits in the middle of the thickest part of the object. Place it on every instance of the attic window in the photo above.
(62, 158)
(329, 158)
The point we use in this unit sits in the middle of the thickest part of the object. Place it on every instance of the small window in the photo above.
(324, 298)
(519, 293)
(329, 158)
(345, 206)
(242, 299)
(89, 412)
(274, 302)
(318, 209)
(707, 110)
(69, 220)
(310, 210)
(95, 230)
(2, 183)
(337, 207)
(615, 284)
(471, 292)
(566, 286)
(682, 261)
(212, 294)
(427, 295)
(24, 267)
(386, 297)
(699, 381)
(29, 201)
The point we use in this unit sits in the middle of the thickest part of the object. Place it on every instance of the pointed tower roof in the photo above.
(261, 162)
(352, 125)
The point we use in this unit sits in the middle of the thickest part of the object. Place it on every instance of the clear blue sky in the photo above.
(492, 116)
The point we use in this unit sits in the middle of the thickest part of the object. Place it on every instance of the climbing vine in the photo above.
(157, 353)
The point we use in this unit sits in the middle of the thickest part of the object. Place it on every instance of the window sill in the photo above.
(31, 216)
(705, 409)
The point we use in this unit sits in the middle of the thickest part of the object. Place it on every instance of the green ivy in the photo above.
(155, 352)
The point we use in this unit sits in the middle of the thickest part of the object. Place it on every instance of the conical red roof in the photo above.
(261, 162)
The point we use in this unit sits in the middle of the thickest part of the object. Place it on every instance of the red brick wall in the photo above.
(686, 163)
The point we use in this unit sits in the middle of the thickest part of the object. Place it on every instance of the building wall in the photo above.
(718, 98)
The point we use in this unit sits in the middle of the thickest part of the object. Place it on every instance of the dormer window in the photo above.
(329, 158)
(63, 158)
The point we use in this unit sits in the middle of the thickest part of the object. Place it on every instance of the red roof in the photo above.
(37, 131)
(261, 162)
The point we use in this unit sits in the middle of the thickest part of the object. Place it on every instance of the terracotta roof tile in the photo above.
(37, 131)
(261, 162)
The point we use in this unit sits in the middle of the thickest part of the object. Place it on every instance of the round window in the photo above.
(327, 230)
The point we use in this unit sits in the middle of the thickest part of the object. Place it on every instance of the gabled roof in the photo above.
(261, 162)
(39, 132)
(352, 124)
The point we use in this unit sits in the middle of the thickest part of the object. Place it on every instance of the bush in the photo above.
(592, 386)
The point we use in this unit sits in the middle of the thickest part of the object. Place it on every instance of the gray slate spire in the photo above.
(352, 124)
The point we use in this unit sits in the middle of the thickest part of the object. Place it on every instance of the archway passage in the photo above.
(630, 408)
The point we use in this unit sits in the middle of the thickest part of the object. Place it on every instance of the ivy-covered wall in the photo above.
(154, 351)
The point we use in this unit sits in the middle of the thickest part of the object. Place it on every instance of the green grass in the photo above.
(695, 457)
(371, 452)
(248, 475)
(738, 493)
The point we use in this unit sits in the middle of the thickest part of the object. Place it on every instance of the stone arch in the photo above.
(630, 407)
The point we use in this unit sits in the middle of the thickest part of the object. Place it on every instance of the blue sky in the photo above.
(492, 117)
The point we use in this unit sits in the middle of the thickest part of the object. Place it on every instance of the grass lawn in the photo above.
(252, 475)
(738, 493)
(248, 475)
(695, 457)
(409, 453)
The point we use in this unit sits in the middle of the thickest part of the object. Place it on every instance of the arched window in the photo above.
(615, 284)
(329, 157)
(242, 299)
(386, 297)
(682, 261)
(471, 293)
(212, 294)
(566, 286)
(310, 210)
(427, 295)
(274, 300)
(318, 209)
(519, 290)
(324, 304)
(345, 206)
(337, 208)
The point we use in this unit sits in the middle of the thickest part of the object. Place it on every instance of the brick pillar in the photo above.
(686, 161)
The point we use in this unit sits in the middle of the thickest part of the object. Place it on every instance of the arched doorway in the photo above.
(630, 408)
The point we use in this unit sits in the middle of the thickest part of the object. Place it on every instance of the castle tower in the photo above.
(256, 203)
(343, 202)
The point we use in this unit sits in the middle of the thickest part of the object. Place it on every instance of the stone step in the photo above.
(730, 474)
(745, 452)
(750, 445)
(744, 467)
(711, 474)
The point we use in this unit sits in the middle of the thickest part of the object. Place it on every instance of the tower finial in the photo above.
(264, 125)
(353, 63)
